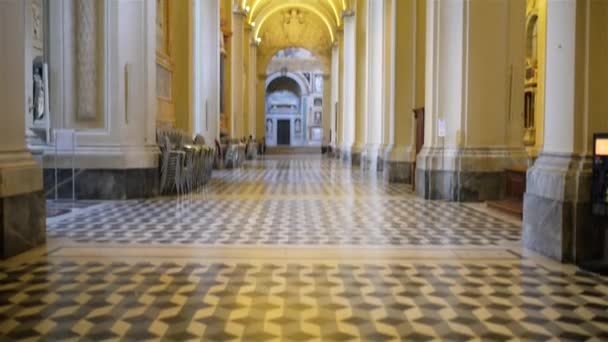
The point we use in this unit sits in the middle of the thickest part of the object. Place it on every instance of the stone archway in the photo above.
(283, 114)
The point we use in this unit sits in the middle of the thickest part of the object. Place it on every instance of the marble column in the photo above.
(404, 86)
(360, 81)
(327, 109)
(238, 70)
(557, 213)
(474, 82)
(339, 100)
(376, 87)
(246, 79)
(348, 85)
(334, 94)
(388, 70)
(254, 86)
(259, 128)
(22, 203)
(116, 155)
(207, 69)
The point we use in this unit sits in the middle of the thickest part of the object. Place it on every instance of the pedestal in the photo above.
(22, 205)
(557, 211)
(465, 175)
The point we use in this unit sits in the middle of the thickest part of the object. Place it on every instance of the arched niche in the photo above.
(291, 78)
(532, 38)
(531, 81)
(283, 96)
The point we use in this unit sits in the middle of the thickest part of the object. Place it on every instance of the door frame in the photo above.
(283, 121)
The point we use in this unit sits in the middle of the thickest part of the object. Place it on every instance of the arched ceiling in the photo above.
(328, 13)
(294, 27)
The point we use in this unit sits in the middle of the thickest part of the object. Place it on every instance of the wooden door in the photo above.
(283, 132)
(419, 121)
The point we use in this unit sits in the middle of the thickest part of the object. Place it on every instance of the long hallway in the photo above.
(293, 248)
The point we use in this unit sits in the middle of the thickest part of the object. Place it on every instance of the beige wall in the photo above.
(540, 9)
(246, 80)
(420, 51)
(591, 74)
(226, 20)
(494, 116)
(182, 58)
(405, 63)
(260, 117)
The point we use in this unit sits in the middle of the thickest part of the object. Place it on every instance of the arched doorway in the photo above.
(294, 99)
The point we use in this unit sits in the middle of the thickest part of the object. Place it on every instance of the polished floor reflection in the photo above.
(293, 249)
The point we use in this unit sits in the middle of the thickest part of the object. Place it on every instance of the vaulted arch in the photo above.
(304, 86)
(261, 18)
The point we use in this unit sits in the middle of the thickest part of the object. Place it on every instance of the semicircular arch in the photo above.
(261, 19)
(298, 78)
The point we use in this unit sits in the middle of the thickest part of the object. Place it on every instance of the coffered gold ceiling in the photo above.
(294, 27)
(327, 11)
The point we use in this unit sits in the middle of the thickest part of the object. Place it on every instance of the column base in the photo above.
(465, 175)
(337, 153)
(104, 173)
(459, 186)
(22, 204)
(396, 164)
(104, 184)
(355, 158)
(356, 155)
(370, 157)
(22, 223)
(557, 220)
(345, 154)
(397, 171)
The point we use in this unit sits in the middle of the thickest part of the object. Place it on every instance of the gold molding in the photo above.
(168, 32)
(164, 60)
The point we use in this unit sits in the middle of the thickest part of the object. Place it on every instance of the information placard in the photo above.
(601, 147)
(441, 128)
(64, 139)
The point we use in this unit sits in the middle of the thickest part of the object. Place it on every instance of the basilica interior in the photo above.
(303, 170)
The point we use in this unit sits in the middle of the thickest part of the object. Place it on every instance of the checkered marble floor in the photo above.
(92, 300)
(294, 202)
(61, 207)
(310, 221)
(293, 249)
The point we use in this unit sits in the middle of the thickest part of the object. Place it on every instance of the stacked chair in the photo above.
(185, 164)
(252, 150)
(234, 154)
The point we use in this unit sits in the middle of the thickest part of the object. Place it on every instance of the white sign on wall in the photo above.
(65, 139)
(441, 128)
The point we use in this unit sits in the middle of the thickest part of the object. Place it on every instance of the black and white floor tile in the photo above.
(293, 249)
(294, 202)
(293, 221)
(174, 301)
